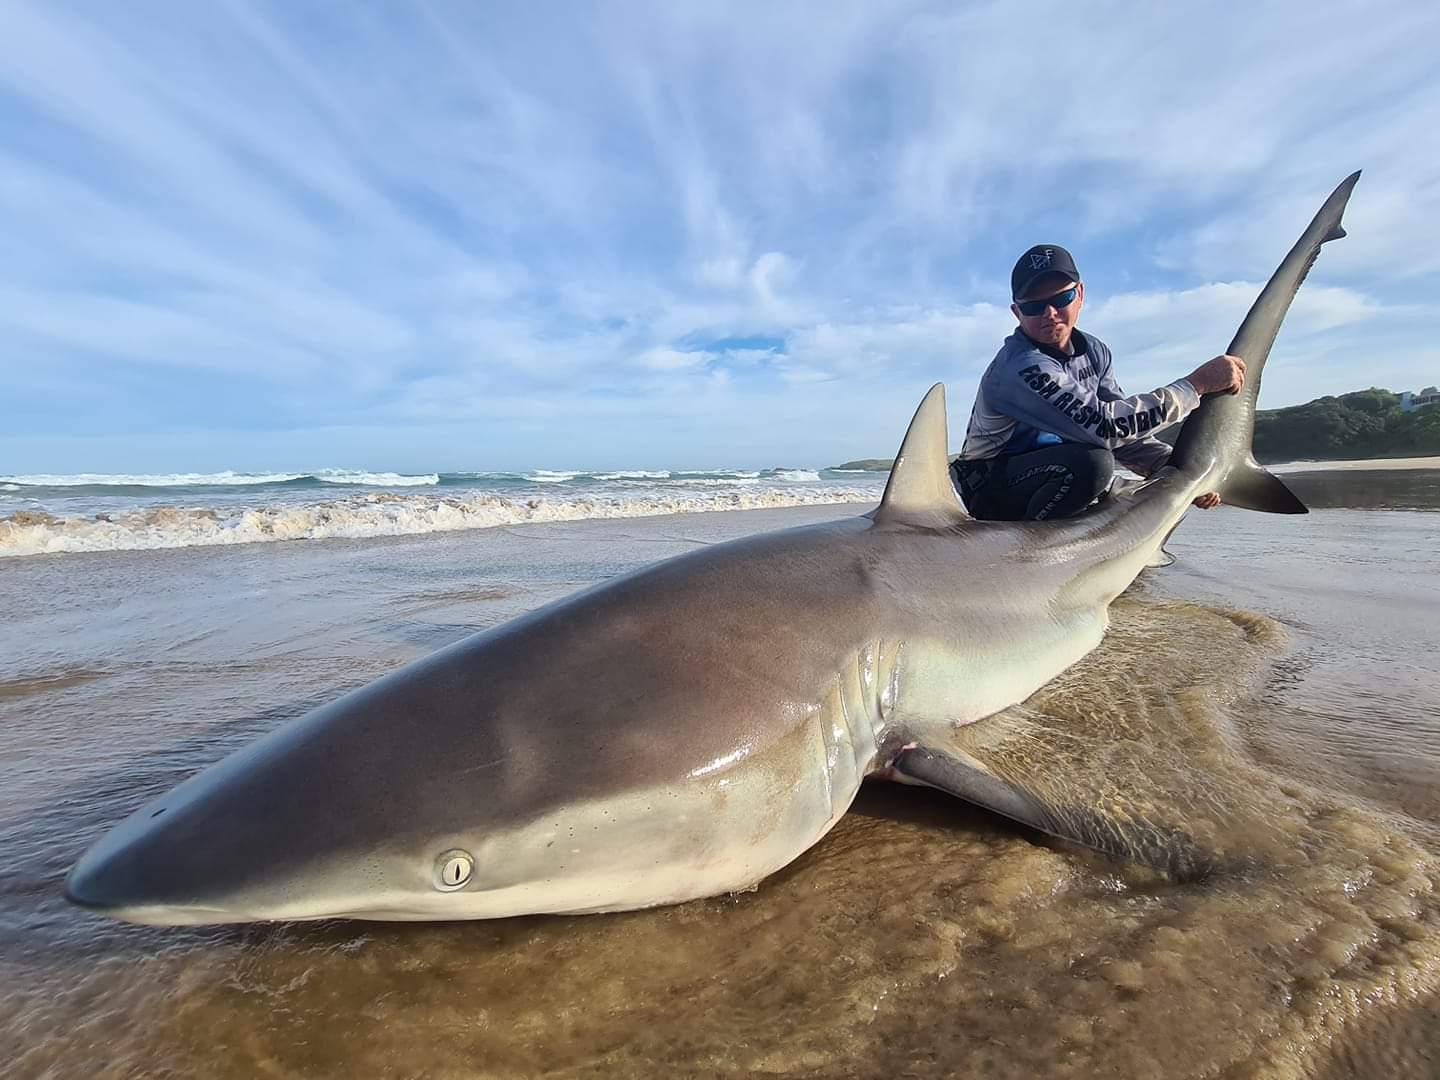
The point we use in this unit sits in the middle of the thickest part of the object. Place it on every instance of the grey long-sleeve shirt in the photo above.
(1031, 397)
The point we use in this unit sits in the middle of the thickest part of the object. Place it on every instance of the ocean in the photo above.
(1276, 691)
(46, 514)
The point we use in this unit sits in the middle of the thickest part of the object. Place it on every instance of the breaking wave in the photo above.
(229, 478)
(190, 483)
(34, 532)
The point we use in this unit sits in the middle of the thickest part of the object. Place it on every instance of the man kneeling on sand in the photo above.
(1050, 421)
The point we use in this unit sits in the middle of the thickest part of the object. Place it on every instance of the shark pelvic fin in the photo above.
(919, 492)
(1160, 559)
(1252, 487)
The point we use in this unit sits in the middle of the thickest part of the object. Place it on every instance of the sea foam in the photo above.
(229, 478)
(32, 532)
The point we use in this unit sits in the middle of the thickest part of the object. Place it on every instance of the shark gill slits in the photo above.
(453, 870)
(157, 813)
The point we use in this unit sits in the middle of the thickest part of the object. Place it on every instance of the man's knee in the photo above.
(1053, 482)
(1087, 473)
(1096, 471)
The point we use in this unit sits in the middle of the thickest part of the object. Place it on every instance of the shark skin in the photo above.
(688, 729)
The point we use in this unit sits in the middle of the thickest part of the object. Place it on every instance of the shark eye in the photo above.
(453, 870)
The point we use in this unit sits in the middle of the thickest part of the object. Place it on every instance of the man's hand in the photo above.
(1208, 501)
(1222, 375)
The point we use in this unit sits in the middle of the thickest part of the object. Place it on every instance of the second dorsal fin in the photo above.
(919, 492)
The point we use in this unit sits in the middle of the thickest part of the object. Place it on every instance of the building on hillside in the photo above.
(1409, 402)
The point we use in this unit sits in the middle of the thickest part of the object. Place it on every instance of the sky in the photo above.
(425, 235)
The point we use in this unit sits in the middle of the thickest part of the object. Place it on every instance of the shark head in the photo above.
(515, 772)
(301, 825)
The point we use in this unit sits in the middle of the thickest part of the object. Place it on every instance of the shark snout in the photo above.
(147, 871)
(274, 838)
(88, 886)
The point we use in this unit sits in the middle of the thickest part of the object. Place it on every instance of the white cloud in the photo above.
(800, 374)
(902, 341)
(1157, 314)
(771, 273)
(661, 358)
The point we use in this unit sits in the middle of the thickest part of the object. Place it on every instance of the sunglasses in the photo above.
(1060, 301)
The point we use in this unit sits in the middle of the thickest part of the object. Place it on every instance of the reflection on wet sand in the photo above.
(1362, 489)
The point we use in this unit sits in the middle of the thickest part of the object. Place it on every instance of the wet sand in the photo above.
(1360, 465)
(1273, 693)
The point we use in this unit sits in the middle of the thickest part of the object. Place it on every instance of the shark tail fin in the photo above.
(919, 492)
(1252, 487)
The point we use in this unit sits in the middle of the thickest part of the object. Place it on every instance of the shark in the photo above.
(688, 729)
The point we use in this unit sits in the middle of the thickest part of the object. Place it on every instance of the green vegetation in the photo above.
(1363, 424)
(869, 464)
(872, 464)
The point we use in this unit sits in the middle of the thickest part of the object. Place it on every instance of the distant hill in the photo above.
(1362, 424)
(869, 464)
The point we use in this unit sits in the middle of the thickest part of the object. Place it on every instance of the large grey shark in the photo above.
(688, 729)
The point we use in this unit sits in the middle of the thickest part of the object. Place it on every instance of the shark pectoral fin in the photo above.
(1250, 486)
(953, 770)
(919, 493)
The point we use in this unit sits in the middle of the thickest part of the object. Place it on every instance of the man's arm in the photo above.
(1044, 395)
(1218, 375)
(1145, 456)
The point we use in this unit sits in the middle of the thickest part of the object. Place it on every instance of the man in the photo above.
(1050, 421)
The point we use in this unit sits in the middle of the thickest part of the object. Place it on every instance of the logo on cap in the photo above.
(1041, 259)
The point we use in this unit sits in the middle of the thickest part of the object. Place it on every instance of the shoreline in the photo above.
(27, 533)
(1324, 465)
(1357, 464)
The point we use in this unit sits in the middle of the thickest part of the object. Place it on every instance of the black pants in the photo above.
(1052, 482)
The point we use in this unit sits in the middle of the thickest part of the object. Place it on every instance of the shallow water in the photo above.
(1273, 693)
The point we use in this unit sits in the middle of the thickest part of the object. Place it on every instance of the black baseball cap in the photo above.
(1040, 260)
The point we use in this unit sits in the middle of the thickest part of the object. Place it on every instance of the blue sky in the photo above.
(432, 235)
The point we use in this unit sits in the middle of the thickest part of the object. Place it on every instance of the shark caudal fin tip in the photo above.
(1348, 184)
(919, 491)
(1339, 199)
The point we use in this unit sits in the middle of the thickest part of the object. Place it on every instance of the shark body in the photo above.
(690, 728)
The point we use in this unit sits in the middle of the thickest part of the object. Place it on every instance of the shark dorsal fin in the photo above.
(919, 492)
